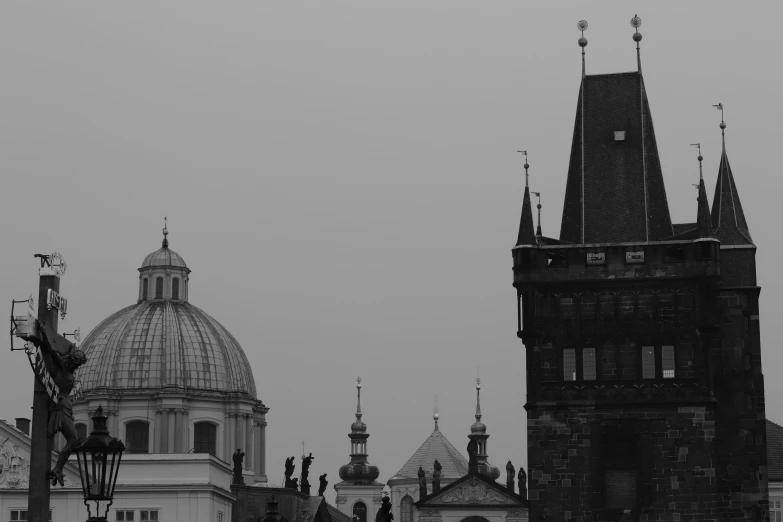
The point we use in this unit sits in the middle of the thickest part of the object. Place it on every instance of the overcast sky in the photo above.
(342, 179)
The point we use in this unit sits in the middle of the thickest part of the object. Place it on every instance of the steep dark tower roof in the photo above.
(703, 224)
(728, 219)
(614, 191)
(527, 235)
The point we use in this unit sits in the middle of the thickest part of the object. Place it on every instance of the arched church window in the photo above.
(359, 512)
(204, 437)
(159, 288)
(81, 431)
(175, 288)
(406, 509)
(144, 285)
(137, 437)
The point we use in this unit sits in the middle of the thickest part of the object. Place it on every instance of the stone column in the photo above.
(178, 431)
(171, 428)
(261, 448)
(164, 430)
(248, 449)
(156, 445)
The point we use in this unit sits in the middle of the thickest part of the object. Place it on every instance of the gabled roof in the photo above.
(728, 219)
(614, 190)
(313, 509)
(474, 490)
(774, 451)
(435, 447)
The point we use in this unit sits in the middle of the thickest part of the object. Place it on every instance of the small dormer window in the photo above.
(175, 288)
(159, 288)
(619, 135)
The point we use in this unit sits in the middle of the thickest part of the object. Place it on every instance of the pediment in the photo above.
(473, 490)
(15, 461)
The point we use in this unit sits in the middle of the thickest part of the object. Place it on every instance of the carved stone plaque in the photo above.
(620, 488)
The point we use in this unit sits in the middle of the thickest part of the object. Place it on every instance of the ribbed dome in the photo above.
(164, 257)
(163, 343)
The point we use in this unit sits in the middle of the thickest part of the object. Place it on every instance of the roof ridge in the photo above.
(455, 459)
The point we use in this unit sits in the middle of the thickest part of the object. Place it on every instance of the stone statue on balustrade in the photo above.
(384, 513)
(289, 471)
(510, 476)
(322, 486)
(422, 483)
(436, 477)
(238, 457)
(304, 482)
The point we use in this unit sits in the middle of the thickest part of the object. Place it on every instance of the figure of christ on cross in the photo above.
(62, 369)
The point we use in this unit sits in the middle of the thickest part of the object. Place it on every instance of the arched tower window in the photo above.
(175, 288)
(144, 288)
(406, 509)
(81, 431)
(359, 512)
(159, 288)
(204, 437)
(137, 437)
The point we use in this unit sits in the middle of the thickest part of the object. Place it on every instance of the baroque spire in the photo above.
(359, 470)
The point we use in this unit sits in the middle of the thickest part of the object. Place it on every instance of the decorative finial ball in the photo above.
(581, 25)
(526, 165)
(539, 206)
(636, 22)
(722, 125)
(436, 416)
(700, 157)
(583, 42)
(637, 37)
(358, 382)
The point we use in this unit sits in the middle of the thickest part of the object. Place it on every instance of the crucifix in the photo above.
(54, 360)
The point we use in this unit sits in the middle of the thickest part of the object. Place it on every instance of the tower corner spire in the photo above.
(526, 236)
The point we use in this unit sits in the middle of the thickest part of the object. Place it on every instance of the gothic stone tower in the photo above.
(645, 396)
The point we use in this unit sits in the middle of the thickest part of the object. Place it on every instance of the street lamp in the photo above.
(99, 461)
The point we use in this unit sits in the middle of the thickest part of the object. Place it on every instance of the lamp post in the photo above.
(99, 459)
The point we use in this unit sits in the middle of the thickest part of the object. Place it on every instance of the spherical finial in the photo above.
(637, 37)
(636, 22)
(478, 383)
(526, 166)
(582, 42)
(700, 157)
(722, 125)
(436, 416)
(581, 25)
(539, 206)
(358, 382)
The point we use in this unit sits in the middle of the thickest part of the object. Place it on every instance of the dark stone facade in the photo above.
(660, 414)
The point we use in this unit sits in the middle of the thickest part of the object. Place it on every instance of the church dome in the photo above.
(163, 341)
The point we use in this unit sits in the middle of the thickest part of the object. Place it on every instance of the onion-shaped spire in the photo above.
(359, 470)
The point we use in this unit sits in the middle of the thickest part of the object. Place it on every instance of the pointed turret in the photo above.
(728, 219)
(703, 220)
(527, 235)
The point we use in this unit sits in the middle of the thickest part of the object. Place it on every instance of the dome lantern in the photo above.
(163, 274)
